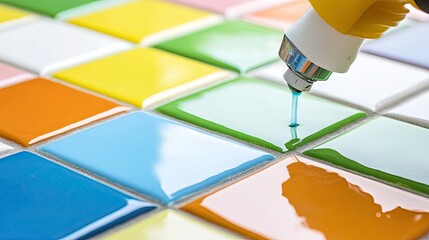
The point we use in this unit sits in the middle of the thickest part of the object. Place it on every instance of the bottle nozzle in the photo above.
(302, 72)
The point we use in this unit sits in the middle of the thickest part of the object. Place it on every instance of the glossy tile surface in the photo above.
(155, 156)
(43, 200)
(301, 199)
(47, 7)
(259, 112)
(38, 109)
(365, 86)
(408, 45)
(414, 110)
(4, 147)
(137, 20)
(386, 149)
(10, 75)
(8, 13)
(51, 45)
(142, 76)
(280, 16)
(170, 224)
(233, 45)
(219, 6)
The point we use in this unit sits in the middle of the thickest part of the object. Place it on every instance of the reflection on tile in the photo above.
(385, 149)
(155, 156)
(51, 45)
(47, 7)
(280, 16)
(234, 45)
(10, 75)
(138, 21)
(170, 224)
(301, 199)
(231, 8)
(369, 84)
(42, 200)
(8, 13)
(4, 147)
(142, 76)
(414, 110)
(245, 107)
(38, 109)
(408, 45)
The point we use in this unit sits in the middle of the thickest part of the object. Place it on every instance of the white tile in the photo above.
(372, 83)
(416, 110)
(4, 147)
(273, 72)
(45, 46)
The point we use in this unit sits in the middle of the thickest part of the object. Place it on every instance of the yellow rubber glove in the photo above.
(364, 18)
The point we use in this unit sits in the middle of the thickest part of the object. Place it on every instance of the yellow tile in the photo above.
(136, 20)
(7, 13)
(142, 76)
(170, 224)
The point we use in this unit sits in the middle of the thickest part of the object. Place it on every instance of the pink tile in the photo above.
(7, 71)
(10, 75)
(216, 6)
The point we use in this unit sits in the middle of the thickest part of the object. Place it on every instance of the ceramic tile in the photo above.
(42, 200)
(301, 199)
(8, 13)
(10, 75)
(143, 21)
(243, 108)
(38, 109)
(219, 6)
(417, 15)
(364, 86)
(407, 45)
(167, 224)
(280, 16)
(233, 45)
(414, 110)
(385, 149)
(52, 45)
(4, 147)
(47, 7)
(231, 8)
(142, 76)
(155, 156)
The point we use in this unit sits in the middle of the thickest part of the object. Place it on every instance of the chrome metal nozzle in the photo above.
(302, 73)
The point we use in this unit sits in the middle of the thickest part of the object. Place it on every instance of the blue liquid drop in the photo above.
(294, 112)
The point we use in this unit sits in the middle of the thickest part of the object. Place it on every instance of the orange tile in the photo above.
(301, 199)
(281, 15)
(38, 109)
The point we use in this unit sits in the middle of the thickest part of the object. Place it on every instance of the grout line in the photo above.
(98, 178)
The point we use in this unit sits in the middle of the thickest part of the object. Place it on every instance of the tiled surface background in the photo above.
(141, 137)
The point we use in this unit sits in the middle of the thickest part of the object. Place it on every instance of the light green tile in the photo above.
(259, 112)
(233, 45)
(386, 149)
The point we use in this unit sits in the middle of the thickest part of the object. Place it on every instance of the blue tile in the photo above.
(408, 45)
(43, 200)
(155, 156)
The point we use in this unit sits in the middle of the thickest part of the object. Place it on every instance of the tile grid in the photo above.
(279, 156)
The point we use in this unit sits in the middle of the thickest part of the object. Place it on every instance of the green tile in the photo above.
(47, 7)
(233, 45)
(385, 149)
(257, 111)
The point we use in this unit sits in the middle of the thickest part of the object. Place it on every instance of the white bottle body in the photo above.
(322, 44)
